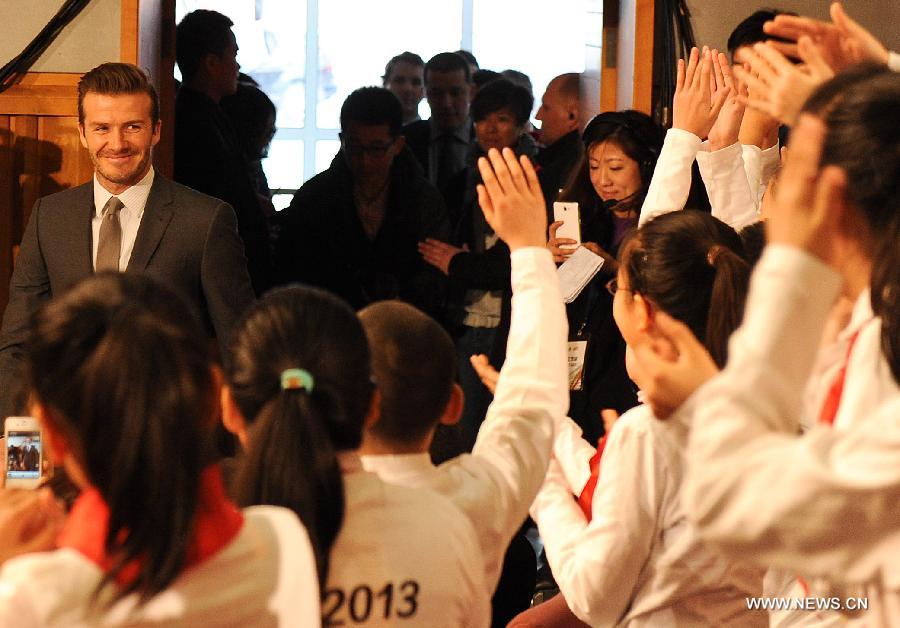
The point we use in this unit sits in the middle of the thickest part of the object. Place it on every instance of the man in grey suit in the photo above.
(128, 218)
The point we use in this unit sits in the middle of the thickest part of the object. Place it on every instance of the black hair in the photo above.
(404, 57)
(639, 137)
(447, 62)
(502, 94)
(117, 78)
(483, 77)
(859, 107)
(414, 392)
(753, 237)
(469, 57)
(294, 434)
(198, 34)
(122, 363)
(691, 265)
(750, 30)
(250, 110)
(518, 78)
(372, 106)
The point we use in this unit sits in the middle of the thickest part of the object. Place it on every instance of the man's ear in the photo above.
(453, 409)
(374, 412)
(81, 135)
(232, 418)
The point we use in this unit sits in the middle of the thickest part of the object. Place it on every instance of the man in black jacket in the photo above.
(208, 153)
(354, 228)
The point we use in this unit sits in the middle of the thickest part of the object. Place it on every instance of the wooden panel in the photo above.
(46, 94)
(643, 56)
(7, 215)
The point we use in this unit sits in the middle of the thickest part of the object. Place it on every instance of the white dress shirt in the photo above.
(404, 557)
(671, 183)
(760, 165)
(134, 200)
(495, 484)
(823, 505)
(638, 562)
(266, 576)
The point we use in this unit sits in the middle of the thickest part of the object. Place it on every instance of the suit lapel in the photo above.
(79, 249)
(157, 214)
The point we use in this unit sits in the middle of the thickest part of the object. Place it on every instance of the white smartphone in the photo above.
(567, 213)
(24, 452)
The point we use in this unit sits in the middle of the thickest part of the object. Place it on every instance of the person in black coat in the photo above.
(354, 229)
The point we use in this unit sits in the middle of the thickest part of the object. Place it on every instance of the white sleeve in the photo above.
(573, 454)
(597, 564)
(823, 504)
(513, 446)
(726, 183)
(894, 61)
(671, 183)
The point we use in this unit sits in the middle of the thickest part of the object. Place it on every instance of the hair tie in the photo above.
(713, 254)
(292, 379)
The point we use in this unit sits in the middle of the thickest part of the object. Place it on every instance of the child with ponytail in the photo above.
(637, 561)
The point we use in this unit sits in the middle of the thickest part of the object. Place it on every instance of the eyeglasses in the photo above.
(376, 151)
(612, 286)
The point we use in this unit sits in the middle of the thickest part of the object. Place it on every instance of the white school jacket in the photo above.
(403, 557)
(265, 577)
(824, 505)
(495, 484)
(638, 562)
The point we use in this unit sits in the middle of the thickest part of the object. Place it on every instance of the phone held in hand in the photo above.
(24, 452)
(567, 213)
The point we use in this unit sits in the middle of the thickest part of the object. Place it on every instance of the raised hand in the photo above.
(486, 372)
(842, 42)
(511, 199)
(808, 201)
(727, 127)
(777, 87)
(698, 99)
(29, 522)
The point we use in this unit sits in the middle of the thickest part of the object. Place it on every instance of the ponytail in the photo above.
(291, 462)
(726, 301)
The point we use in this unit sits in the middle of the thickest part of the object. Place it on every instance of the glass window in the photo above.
(540, 38)
(325, 152)
(357, 49)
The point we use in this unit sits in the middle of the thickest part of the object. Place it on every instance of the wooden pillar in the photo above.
(634, 83)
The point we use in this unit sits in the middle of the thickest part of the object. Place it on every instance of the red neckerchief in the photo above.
(218, 522)
(586, 499)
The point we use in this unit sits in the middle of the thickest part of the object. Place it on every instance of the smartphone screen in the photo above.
(23, 455)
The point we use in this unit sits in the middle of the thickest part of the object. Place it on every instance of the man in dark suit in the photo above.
(128, 218)
(441, 143)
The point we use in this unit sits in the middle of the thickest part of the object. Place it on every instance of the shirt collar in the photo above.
(860, 316)
(217, 522)
(134, 198)
(402, 462)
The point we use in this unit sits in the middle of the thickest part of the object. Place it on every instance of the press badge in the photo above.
(577, 351)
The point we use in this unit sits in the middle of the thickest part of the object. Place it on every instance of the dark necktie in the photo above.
(445, 161)
(109, 246)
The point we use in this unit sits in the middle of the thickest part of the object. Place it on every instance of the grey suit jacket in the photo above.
(187, 240)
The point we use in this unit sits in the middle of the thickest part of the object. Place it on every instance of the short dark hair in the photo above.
(483, 77)
(447, 62)
(502, 94)
(200, 33)
(519, 78)
(750, 30)
(469, 57)
(404, 57)
(250, 109)
(117, 78)
(372, 106)
(414, 392)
